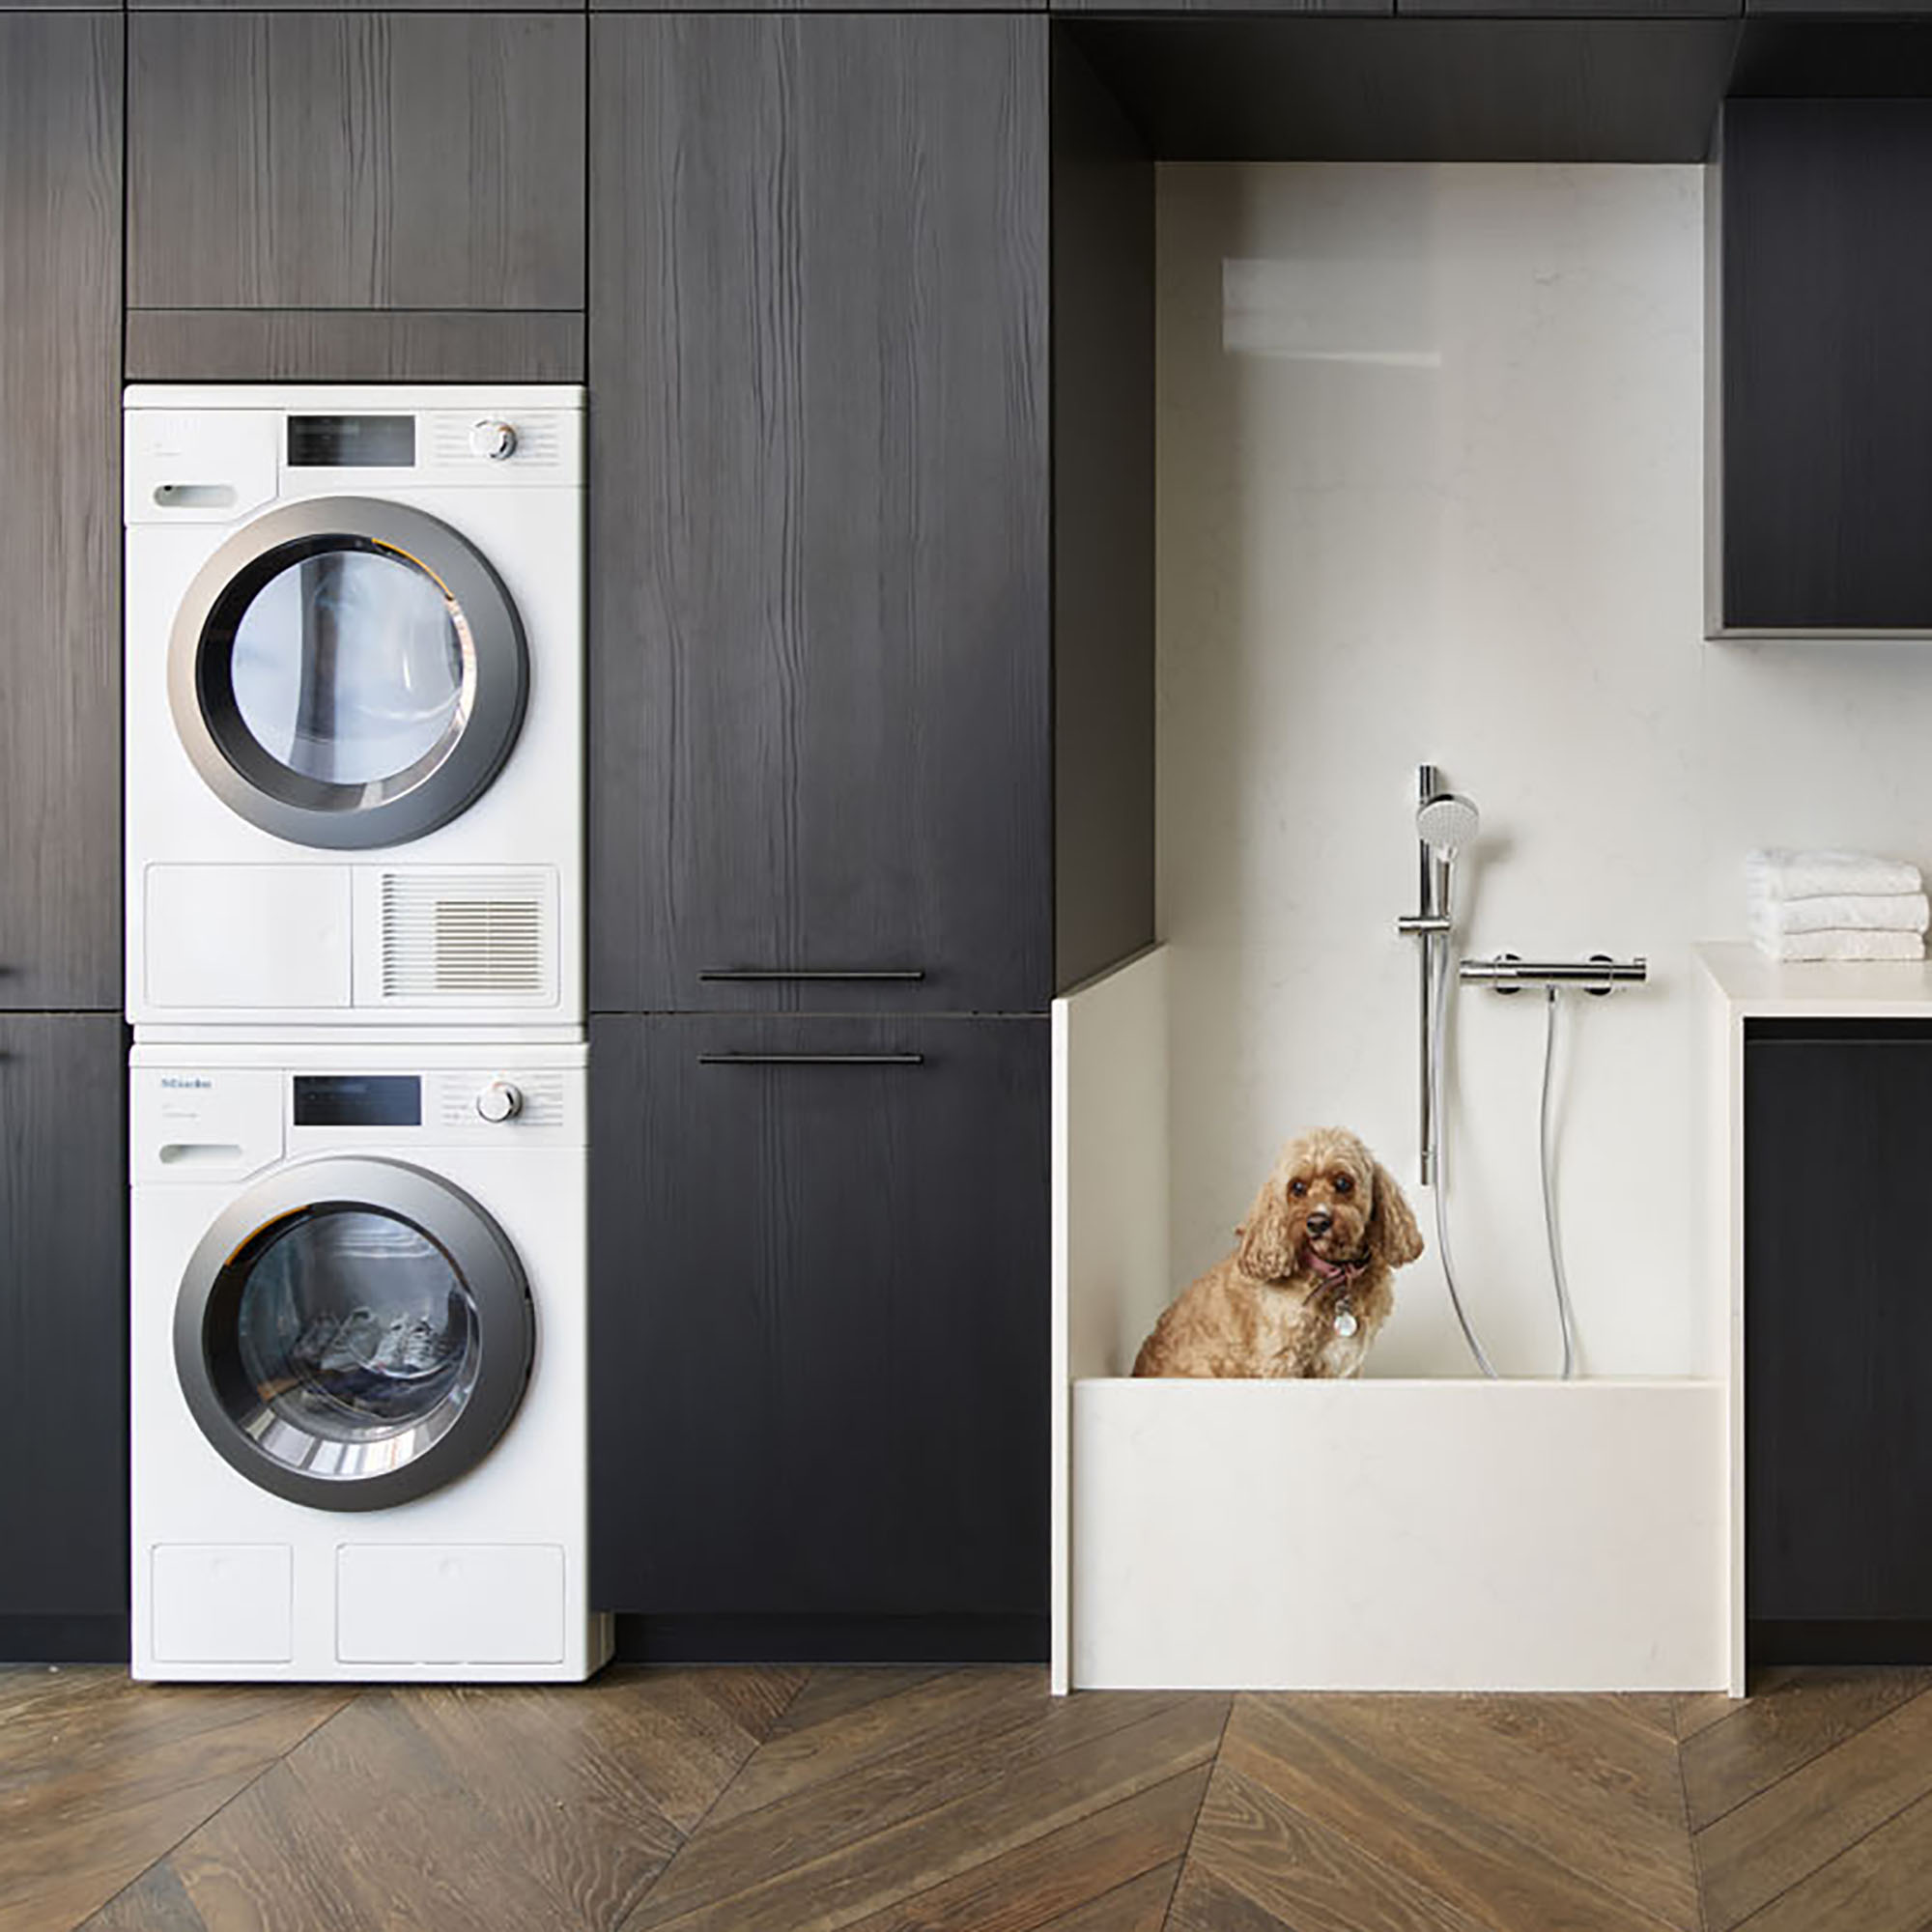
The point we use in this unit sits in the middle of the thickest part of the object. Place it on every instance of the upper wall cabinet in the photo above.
(60, 632)
(356, 161)
(820, 607)
(1822, 464)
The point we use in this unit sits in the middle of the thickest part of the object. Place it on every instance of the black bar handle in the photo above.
(812, 1059)
(752, 975)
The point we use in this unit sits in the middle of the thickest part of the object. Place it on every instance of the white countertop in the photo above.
(1752, 984)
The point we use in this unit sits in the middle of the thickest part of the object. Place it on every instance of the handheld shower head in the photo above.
(1446, 823)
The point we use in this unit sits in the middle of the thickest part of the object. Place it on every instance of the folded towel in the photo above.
(1840, 944)
(1860, 912)
(1804, 875)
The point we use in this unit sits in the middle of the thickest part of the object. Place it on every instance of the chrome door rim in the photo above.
(481, 1255)
(388, 811)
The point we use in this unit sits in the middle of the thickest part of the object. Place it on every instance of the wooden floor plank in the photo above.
(1138, 1906)
(1583, 1778)
(997, 1817)
(1694, 1711)
(832, 1689)
(1205, 1903)
(1882, 1884)
(1787, 1832)
(1050, 1877)
(1312, 1757)
(734, 1851)
(100, 1776)
(1256, 1843)
(1790, 1717)
(846, 1742)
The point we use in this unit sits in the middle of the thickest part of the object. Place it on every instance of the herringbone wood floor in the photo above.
(961, 1800)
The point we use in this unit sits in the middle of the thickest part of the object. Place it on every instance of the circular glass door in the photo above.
(353, 1333)
(348, 674)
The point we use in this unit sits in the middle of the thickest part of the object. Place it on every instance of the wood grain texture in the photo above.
(1257, 1845)
(356, 161)
(819, 643)
(173, 345)
(99, 1778)
(1308, 88)
(60, 554)
(349, 6)
(1766, 1736)
(1103, 535)
(63, 1315)
(463, 1806)
(1627, 9)
(1461, 1835)
(818, 1294)
(1760, 1849)
(1825, 391)
(962, 1801)
(816, 6)
(1833, 1112)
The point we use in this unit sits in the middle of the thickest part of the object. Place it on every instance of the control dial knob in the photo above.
(493, 440)
(499, 1102)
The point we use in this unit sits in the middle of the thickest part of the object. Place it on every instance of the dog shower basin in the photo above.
(1446, 1533)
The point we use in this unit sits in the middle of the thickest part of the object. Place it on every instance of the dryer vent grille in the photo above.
(469, 936)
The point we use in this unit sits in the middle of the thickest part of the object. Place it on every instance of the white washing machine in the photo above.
(355, 710)
(359, 1364)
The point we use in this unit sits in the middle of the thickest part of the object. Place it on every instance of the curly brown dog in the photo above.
(1307, 1286)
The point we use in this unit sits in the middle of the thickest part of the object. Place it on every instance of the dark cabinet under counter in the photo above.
(1837, 1332)
(819, 1308)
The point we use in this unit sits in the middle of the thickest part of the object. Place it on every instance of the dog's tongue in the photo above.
(1329, 1270)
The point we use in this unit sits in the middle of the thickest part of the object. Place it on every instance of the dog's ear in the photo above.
(1392, 1236)
(1266, 1248)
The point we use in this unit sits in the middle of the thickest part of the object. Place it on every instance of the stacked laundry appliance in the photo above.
(355, 849)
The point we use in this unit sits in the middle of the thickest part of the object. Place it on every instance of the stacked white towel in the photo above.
(1835, 905)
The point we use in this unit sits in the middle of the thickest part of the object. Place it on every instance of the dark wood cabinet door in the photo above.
(63, 1319)
(820, 604)
(60, 623)
(1837, 1325)
(1825, 466)
(819, 1303)
(356, 161)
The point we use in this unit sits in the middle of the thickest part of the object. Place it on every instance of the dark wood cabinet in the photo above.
(820, 597)
(63, 1335)
(60, 628)
(1822, 468)
(819, 1316)
(1838, 1330)
(360, 160)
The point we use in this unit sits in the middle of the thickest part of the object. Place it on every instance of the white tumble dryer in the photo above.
(359, 1363)
(355, 710)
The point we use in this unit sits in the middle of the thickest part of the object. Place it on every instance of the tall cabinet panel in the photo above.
(63, 1335)
(59, 642)
(821, 607)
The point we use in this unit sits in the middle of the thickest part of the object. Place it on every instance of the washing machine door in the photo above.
(353, 1333)
(348, 672)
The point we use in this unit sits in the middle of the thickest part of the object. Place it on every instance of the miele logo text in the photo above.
(184, 1080)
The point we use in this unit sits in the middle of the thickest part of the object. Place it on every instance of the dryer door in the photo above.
(348, 672)
(353, 1333)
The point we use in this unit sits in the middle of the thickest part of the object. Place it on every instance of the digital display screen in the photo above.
(359, 1100)
(351, 443)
